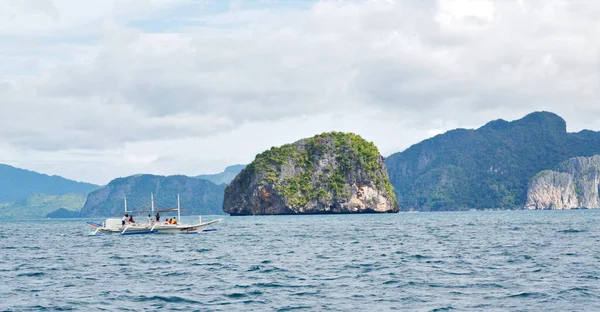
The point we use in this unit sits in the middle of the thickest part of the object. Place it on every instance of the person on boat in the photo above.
(174, 220)
(131, 219)
(168, 221)
(149, 219)
(157, 216)
(124, 219)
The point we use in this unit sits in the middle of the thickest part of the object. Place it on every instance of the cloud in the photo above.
(110, 76)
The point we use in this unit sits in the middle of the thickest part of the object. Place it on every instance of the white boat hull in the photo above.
(130, 229)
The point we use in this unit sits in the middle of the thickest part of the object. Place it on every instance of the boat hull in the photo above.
(133, 229)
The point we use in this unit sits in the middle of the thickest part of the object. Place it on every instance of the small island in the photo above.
(329, 173)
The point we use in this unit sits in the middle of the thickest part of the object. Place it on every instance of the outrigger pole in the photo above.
(178, 210)
(152, 201)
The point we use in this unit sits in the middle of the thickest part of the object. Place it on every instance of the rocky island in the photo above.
(330, 173)
(573, 185)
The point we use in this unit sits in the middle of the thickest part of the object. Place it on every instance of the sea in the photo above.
(463, 261)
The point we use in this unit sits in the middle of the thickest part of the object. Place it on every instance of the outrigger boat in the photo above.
(115, 226)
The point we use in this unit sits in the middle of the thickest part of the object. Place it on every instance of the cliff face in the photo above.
(574, 185)
(197, 196)
(552, 190)
(329, 173)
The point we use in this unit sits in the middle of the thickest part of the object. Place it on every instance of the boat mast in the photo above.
(152, 202)
(178, 210)
(125, 200)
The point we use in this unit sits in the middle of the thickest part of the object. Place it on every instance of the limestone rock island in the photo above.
(330, 173)
(574, 185)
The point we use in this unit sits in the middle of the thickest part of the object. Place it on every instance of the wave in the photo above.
(33, 274)
(170, 299)
(292, 308)
(573, 231)
(529, 295)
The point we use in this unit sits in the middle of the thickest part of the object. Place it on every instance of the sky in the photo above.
(99, 89)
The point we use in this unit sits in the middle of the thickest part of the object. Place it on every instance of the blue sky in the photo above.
(200, 13)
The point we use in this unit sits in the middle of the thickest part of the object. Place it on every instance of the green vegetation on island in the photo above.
(313, 175)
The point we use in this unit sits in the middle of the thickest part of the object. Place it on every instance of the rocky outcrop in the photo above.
(574, 185)
(329, 173)
(552, 190)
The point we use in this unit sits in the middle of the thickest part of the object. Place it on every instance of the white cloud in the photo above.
(174, 86)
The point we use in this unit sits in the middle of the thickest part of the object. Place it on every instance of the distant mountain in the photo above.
(223, 177)
(63, 213)
(489, 167)
(39, 205)
(18, 183)
(198, 196)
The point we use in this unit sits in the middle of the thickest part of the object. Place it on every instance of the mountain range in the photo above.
(16, 183)
(28, 194)
(489, 167)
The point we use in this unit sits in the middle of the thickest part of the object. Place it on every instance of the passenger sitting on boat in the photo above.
(124, 219)
(131, 219)
(174, 221)
(168, 221)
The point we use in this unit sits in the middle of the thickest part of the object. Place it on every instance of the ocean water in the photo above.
(492, 261)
